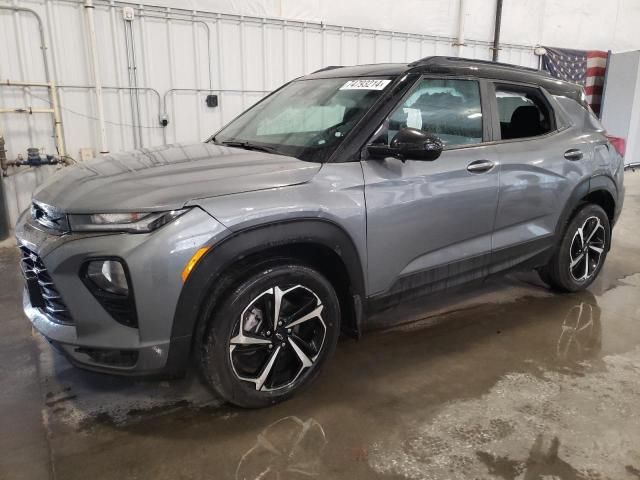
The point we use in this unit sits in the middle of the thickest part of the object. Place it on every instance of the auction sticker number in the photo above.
(365, 84)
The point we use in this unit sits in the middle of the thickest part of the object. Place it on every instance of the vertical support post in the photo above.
(4, 224)
(265, 64)
(57, 119)
(219, 54)
(243, 55)
(496, 30)
(461, 17)
(95, 67)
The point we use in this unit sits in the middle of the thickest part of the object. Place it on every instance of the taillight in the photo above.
(618, 143)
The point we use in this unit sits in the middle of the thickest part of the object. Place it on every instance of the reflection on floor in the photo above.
(506, 381)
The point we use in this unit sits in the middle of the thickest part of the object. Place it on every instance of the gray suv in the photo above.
(344, 192)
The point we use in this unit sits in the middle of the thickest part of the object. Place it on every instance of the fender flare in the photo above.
(246, 242)
(584, 188)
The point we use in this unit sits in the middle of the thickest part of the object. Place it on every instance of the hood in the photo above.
(167, 177)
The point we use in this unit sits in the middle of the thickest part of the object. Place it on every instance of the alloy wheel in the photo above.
(586, 250)
(278, 337)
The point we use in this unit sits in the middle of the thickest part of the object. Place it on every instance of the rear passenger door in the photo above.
(541, 161)
(429, 223)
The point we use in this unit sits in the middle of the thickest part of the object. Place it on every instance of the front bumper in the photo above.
(94, 339)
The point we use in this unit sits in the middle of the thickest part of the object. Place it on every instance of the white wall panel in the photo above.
(182, 55)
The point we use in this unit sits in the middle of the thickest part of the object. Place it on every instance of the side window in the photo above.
(449, 109)
(523, 112)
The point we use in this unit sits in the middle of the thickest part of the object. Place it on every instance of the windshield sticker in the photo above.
(365, 84)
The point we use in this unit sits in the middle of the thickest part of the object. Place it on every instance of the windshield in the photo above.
(307, 119)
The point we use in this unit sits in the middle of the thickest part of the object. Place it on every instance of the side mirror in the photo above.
(409, 144)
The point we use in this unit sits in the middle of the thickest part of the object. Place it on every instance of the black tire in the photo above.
(559, 273)
(224, 357)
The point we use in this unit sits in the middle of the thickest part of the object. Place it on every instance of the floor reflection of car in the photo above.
(343, 192)
(581, 332)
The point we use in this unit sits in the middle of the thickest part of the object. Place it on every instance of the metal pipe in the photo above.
(17, 83)
(136, 91)
(4, 224)
(219, 58)
(134, 99)
(496, 30)
(168, 15)
(243, 57)
(170, 56)
(50, 84)
(3, 166)
(196, 67)
(171, 92)
(93, 55)
(107, 87)
(118, 68)
(265, 63)
(285, 59)
(29, 110)
(145, 46)
(461, 17)
(186, 14)
(19, 28)
(131, 99)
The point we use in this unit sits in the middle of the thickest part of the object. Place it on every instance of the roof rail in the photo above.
(435, 60)
(330, 67)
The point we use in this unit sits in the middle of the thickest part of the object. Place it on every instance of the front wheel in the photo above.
(271, 335)
(582, 251)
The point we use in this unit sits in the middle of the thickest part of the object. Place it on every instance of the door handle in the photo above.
(573, 154)
(480, 166)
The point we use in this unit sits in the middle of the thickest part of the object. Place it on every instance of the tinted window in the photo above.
(449, 109)
(522, 111)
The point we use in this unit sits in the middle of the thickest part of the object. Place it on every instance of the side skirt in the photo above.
(424, 282)
(523, 256)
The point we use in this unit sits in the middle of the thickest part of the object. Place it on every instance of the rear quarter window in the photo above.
(580, 116)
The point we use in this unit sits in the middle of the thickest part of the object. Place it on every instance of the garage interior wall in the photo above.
(176, 53)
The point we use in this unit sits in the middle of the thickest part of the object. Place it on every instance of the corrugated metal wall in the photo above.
(180, 57)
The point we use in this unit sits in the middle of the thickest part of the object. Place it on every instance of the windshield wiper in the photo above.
(248, 146)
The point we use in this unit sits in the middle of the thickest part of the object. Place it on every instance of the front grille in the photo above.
(49, 217)
(42, 292)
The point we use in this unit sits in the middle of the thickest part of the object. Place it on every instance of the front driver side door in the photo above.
(429, 223)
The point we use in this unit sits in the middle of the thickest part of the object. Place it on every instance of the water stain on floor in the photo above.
(506, 380)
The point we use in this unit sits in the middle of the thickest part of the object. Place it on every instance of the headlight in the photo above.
(136, 222)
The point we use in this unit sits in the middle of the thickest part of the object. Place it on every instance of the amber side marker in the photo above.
(191, 264)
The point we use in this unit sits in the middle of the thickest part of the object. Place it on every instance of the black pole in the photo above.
(4, 223)
(496, 31)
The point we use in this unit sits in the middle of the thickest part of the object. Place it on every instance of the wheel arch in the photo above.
(603, 192)
(319, 243)
(600, 190)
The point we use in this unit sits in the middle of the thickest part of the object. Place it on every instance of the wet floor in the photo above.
(506, 380)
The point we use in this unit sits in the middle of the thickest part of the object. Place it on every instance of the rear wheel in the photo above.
(271, 335)
(582, 251)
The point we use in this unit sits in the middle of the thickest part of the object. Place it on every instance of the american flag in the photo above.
(586, 67)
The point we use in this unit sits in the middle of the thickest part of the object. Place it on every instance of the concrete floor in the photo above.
(506, 381)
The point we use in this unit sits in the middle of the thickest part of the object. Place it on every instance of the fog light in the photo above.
(108, 275)
(109, 282)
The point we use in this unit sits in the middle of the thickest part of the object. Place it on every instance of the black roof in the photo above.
(459, 67)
